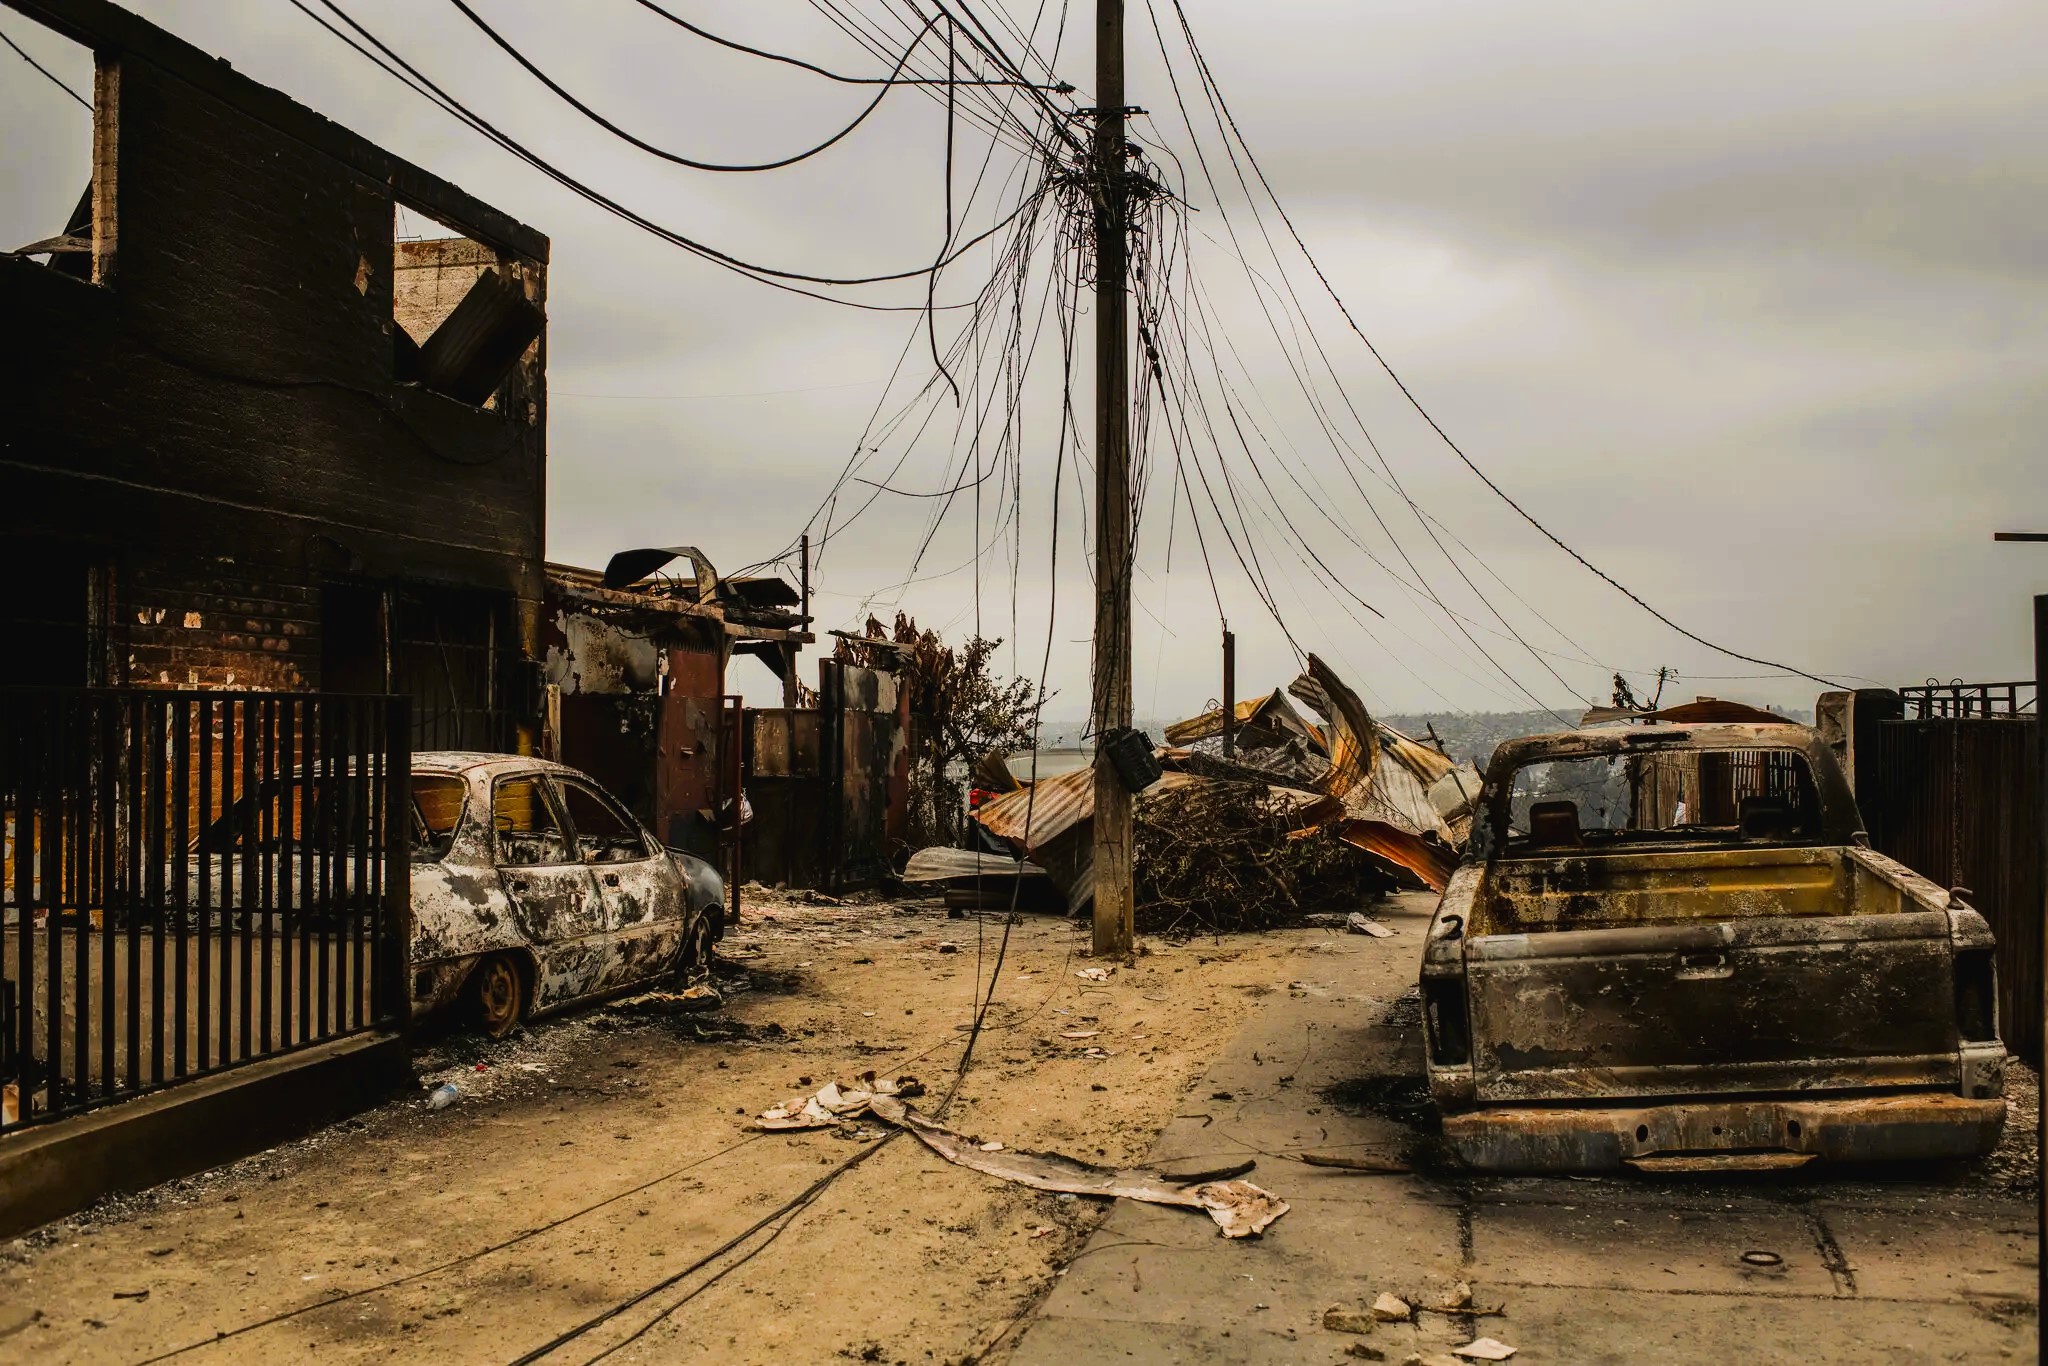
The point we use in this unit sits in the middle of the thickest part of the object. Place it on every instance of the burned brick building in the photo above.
(249, 439)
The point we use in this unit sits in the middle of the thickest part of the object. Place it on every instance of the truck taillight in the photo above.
(1443, 1012)
(1976, 996)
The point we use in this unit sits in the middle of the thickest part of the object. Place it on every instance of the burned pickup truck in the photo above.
(1673, 948)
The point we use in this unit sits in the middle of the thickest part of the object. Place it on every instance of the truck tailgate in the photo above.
(1798, 1003)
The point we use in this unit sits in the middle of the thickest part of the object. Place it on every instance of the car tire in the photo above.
(697, 946)
(496, 996)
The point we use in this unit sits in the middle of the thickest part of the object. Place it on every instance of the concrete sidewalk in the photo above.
(1927, 1265)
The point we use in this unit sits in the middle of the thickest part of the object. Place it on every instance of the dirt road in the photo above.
(597, 1157)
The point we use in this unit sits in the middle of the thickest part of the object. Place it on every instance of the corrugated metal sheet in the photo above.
(1412, 852)
(1398, 797)
(1059, 805)
(1261, 721)
(1425, 763)
(940, 865)
(1352, 756)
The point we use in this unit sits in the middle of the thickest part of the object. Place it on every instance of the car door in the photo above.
(553, 895)
(645, 910)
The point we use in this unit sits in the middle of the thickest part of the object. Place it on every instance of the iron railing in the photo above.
(1956, 698)
(193, 880)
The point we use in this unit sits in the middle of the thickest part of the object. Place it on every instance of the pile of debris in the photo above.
(1230, 855)
(1286, 814)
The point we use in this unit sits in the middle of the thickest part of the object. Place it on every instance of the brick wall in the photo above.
(195, 623)
(216, 424)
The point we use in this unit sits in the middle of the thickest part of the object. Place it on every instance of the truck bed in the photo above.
(1684, 972)
(1677, 886)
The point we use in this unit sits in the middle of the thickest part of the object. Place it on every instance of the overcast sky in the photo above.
(1745, 301)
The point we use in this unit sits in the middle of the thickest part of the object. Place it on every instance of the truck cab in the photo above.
(1671, 947)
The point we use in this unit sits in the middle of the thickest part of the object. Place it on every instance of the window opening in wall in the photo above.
(53, 611)
(446, 655)
(466, 318)
(46, 104)
(352, 654)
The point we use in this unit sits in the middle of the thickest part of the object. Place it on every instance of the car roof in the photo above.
(469, 761)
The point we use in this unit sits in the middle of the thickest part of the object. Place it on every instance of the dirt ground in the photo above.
(592, 1161)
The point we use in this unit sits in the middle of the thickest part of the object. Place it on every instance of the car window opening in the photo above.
(437, 802)
(524, 823)
(1671, 799)
(603, 832)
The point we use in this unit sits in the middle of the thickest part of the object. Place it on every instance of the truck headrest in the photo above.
(1555, 823)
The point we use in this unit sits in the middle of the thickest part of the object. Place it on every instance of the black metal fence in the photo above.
(193, 880)
(1955, 798)
(1957, 698)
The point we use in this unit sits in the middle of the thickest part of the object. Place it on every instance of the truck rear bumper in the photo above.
(1727, 1134)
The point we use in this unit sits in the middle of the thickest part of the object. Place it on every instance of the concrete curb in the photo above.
(56, 1169)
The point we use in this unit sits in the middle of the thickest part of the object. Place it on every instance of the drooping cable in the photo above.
(52, 76)
(773, 276)
(676, 158)
(1209, 81)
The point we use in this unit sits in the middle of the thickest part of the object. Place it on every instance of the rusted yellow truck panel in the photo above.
(1737, 980)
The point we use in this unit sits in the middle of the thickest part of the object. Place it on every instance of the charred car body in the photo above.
(1672, 947)
(533, 889)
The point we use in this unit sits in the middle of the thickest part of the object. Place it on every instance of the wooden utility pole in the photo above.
(1229, 693)
(1113, 513)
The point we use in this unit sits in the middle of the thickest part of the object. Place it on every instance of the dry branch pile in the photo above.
(1221, 856)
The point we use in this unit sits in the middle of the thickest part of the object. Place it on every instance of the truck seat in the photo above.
(1555, 825)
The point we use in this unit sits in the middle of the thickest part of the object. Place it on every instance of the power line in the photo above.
(673, 157)
(1208, 80)
(53, 77)
(812, 67)
(768, 275)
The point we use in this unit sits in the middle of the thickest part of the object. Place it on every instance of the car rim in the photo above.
(498, 996)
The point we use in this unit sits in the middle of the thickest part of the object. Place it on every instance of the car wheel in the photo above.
(697, 946)
(497, 996)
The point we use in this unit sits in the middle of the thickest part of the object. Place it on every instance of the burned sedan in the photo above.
(1672, 948)
(532, 888)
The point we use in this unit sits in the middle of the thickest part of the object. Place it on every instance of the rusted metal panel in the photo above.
(1723, 960)
(1956, 798)
(865, 740)
(1432, 864)
(688, 780)
(783, 742)
(614, 739)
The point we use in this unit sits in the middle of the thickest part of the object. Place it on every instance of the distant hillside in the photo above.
(1473, 735)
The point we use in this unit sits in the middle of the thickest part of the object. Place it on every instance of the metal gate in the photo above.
(864, 744)
(191, 881)
(1955, 798)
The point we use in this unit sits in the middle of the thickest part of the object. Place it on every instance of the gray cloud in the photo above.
(1745, 300)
